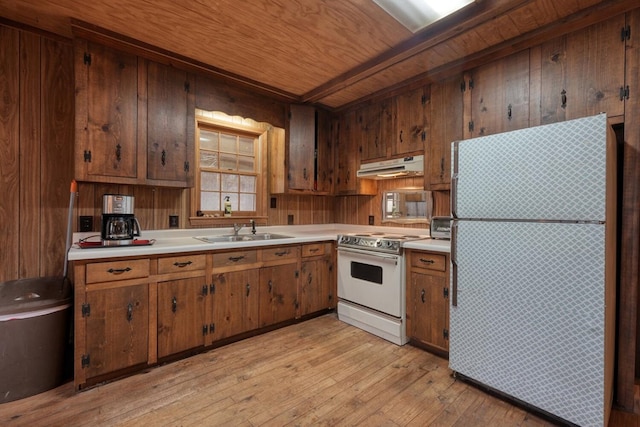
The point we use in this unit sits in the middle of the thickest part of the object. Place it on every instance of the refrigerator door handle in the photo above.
(454, 180)
(454, 264)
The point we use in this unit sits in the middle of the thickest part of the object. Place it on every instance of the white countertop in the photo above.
(183, 240)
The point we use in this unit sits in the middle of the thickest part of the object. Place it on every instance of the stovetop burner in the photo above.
(378, 241)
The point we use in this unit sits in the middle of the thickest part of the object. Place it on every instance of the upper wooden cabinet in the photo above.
(581, 74)
(446, 127)
(497, 96)
(375, 130)
(411, 117)
(302, 161)
(348, 153)
(134, 119)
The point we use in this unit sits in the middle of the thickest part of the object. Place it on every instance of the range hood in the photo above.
(395, 168)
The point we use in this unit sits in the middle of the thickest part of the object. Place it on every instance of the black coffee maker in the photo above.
(119, 225)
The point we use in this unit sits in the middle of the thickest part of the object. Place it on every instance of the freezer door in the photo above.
(530, 314)
(550, 172)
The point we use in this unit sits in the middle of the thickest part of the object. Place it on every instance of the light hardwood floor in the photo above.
(319, 372)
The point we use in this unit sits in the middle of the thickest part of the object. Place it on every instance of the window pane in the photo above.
(228, 143)
(245, 164)
(247, 184)
(228, 162)
(247, 202)
(209, 159)
(245, 146)
(208, 140)
(210, 181)
(229, 182)
(209, 201)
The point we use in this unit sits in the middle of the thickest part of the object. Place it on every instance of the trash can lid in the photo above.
(19, 296)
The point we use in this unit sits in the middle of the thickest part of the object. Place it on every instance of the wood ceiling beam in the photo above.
(462, 21)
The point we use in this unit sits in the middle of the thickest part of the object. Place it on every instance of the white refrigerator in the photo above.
(533, 253)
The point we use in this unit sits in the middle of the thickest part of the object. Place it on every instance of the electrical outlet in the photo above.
(371, 220)
(174, 221)
(289, 219)
(274, 203)
(86, 223)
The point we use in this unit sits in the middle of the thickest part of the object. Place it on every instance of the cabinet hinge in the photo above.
(463, 86)
(186, 166)
(187, 87)
(423, 99)
(445, 292)
(471, 126)
(87, 156)
(212, 288)
(296, 304)
(205, 330)
(212, 328)
(205, 290)
(625, 33)
(86, 310)
(297, 274)
(87, 58)
(85, 360)
(445, 334)
(624, 92)
(423, 136)
(471, 84)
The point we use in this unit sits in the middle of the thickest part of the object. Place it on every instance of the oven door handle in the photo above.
(377, 256)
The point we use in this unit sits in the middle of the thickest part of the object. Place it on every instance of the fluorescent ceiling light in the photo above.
(417, 14)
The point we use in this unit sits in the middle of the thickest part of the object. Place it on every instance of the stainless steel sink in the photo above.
(219, 238)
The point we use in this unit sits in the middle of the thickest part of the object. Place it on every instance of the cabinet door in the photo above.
(368, 133)
(234, 303)
(429, 310)
(446, 127)
(278, 293)
(315, 285)
(181, 315)
(106, 114)
(168, 110)
(582, 73)
(302, 147)
(118, 329)
(411, 122)
(498, 96)
(324, 155)
(347, 158)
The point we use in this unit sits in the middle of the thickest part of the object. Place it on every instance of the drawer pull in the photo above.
(236, 258)
(182, 264)
(427, 261)
(314, 250)
(118, 270)
(281, 253)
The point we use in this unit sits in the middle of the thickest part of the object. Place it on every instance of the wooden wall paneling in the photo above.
(535, 81)
(9, 151)
(627, 345)
(441, 203)
(305, 210)
(144, 208)
(57, 148)
(86, 205)
(30, 156)
(168, 201)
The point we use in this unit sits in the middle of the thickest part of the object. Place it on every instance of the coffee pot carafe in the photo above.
(119, 225)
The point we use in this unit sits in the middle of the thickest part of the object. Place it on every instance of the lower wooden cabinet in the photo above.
(181, 315)
(233, 303)
(133, 312)
(428, 300)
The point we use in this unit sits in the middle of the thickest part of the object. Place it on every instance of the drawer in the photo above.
(429, 261)
(280, 253)
(117, 270)
(234, 258)
(314, 249)
(179, 264)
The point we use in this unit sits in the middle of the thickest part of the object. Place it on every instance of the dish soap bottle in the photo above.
(227, 206)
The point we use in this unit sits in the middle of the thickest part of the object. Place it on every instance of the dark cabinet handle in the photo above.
(427, 261)
(281, 253)
(174, 304)
(509, 111)
(182, 264)
(235, 258)
(129, 312)
(118, 152)
(401, 141)
(422, 296)
(270, 286)
(118, 270)
(248, 289)
(163, 158)
(563, 98)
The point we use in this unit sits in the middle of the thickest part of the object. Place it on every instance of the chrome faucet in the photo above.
(253, 226)
(236, 228)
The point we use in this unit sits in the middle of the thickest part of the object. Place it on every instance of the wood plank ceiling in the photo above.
(330, 52)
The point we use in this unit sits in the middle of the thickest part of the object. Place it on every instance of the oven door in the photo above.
(371, 279)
